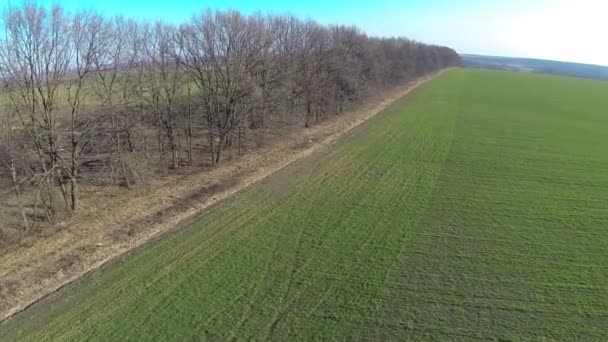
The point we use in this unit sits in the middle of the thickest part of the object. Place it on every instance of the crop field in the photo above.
(474, 208)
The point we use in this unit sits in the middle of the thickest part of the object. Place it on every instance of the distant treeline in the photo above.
(87, 98)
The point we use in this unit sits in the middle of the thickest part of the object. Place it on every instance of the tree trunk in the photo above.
(189, 127)
(74, 192)
(161, 149)
(118, 150)
(175, 157)
(308, 114)
(13, 170)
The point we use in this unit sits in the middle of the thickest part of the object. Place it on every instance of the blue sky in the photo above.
(569, 30)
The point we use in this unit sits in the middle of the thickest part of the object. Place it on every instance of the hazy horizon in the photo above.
(560, 30)
(525, 57)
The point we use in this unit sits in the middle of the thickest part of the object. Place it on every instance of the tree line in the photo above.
(112, 101)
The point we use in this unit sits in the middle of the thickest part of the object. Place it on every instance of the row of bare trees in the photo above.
(111, 101)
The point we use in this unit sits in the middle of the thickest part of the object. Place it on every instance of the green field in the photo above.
(474, 208)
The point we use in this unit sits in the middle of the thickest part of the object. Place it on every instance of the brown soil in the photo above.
(110, 223)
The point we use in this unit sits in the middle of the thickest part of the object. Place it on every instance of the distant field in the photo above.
(474, 208)
(92, 95)
(596, 72)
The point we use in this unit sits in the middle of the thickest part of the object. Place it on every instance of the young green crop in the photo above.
(474, 208)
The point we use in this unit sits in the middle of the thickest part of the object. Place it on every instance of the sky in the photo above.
(565, 30)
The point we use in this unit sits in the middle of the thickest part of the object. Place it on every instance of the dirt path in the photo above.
(111, 224)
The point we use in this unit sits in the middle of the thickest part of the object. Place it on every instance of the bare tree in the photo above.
(221, 52)
(346, 64)
(313, 72)
(37, 46)
(269, 73)
(8, 153)
(83, 89)
(112, 64)
(165, 83)
(85, 34)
